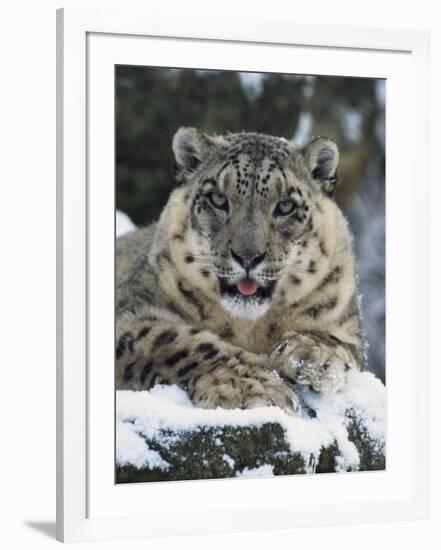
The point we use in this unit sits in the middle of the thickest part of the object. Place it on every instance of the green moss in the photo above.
(327, 459)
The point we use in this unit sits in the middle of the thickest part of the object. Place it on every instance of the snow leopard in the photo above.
(244, 291)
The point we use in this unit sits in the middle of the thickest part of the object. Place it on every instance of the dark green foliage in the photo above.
(372, 453)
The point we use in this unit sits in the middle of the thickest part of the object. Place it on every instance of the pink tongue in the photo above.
(247, 287)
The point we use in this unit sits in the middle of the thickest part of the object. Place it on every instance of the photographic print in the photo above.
(250, 274)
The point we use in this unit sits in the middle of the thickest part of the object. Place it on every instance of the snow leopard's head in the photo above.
(253, 203)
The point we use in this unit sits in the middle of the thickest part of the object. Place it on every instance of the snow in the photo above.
(123, 224)
(266, 470)
(164, 411)
(229, 460)
(132, 449)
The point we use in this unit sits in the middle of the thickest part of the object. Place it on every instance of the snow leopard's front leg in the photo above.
(214, 372)
(316, 359)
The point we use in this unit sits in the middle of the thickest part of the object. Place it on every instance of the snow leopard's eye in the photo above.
(218, 200)
(284, 208)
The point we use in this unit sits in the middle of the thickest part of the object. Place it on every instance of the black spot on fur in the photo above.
(332, 277)
(125, 343)
(219, 361)
(193, 379)
(350, 311)
(192, 299)
(288, 379)
(176, 357)
(315, 310)
(205, 347)
(185, 370)
(189, 258)
(165, 338)
(210, 354)
(312, 267)
(145, 371)
(295, 280)
(128, 372)
(142, 333)
(171, 306)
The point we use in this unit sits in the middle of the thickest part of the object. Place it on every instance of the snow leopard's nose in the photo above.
(248, 259)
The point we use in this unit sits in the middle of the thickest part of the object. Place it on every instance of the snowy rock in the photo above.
(161, 436)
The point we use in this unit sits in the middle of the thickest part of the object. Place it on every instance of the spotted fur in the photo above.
(179, 315)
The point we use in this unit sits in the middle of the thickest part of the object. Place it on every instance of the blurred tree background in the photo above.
(152, 103)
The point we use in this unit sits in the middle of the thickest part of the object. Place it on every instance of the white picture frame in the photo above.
(89, 43)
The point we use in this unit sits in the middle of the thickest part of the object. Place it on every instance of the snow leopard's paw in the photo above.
(318, 361)
(245, 387)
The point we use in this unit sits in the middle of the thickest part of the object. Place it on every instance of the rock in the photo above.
(335, 434)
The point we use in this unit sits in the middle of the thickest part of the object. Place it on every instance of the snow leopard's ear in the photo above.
(190, 147)
(321, 156)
